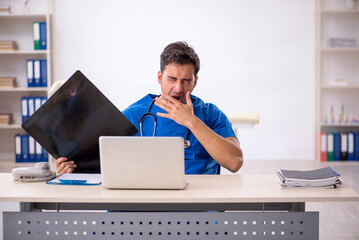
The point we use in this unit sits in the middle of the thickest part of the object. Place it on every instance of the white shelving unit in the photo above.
(19, 27)
(333, 20)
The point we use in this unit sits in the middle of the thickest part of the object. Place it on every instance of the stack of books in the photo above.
(7, 82)
(8, 46)
(319, 178)
(5, 118)
(342, 42)
(5, 9)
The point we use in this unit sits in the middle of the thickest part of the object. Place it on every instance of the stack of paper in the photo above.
(342, 42)
(8, 46)
(323, 177)
(5, 118)
(7, 82)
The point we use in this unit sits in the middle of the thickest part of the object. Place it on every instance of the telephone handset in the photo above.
(38, 173)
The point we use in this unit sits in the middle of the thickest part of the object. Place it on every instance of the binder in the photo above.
(31, 105)
(45, 155)
(337, 147)
(37, 73)
(43, 100)
(351, 147)
(344, 146)
(30, 72)
(43, 72)
(25, 147)
(31, 150)
(38, 152)
(330, 149)
(37, 103)
(43, 38)
(356, 146)
(18, 155)
(322, 177)
(36, 35)
(323, 147)
(24, 109)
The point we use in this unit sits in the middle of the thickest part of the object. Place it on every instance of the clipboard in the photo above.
(77, 179)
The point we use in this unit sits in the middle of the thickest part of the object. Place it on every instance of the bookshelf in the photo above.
(337, 71)
(18, 26)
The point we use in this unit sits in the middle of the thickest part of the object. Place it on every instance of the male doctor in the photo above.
(209, 139)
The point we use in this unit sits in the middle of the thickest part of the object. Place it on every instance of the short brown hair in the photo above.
(181, 53)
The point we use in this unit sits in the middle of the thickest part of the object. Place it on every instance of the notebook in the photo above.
(142, 162)
(71, 121)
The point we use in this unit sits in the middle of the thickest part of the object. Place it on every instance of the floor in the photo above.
(336, 220)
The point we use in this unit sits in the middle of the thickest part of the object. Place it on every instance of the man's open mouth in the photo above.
(178, 98)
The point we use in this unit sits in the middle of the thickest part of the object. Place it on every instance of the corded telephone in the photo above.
(38, 173)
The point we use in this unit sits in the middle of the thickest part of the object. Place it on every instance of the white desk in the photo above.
(258, 193)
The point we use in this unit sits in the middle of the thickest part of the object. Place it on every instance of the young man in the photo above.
(209, 137)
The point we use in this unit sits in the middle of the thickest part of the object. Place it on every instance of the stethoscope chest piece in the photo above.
(187, 143)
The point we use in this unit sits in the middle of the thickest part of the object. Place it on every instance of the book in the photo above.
(342, 42)
(322, 177)
(7, 82)
(5, 8)
(8, 46)
(5, 118)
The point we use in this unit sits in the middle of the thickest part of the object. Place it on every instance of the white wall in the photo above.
(256, 56)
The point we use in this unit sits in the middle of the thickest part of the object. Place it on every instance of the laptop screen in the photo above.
(71, 121)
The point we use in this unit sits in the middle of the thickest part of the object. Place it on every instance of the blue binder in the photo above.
(43, 72)
(30, 105)
(43, 37)
(24, 109)
(25, 147)
(30, 72)
(43, 100)
(337, 146)
(356, 146)
(45, 155)
(32, 150)
(351, 155)
(17, 142)
(37, 73)
(38, 152)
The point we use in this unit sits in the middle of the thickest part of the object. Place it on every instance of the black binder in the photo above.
(71, 121)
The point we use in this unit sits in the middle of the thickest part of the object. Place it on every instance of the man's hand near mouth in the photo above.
(182, 113)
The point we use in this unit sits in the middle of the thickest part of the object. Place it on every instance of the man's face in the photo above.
(176, 80)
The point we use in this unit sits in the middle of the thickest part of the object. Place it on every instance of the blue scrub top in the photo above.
(197, 159)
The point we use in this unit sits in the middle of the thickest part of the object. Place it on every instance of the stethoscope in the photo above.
(187, 143)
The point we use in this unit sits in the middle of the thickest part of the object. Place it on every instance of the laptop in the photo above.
(142, 162)
(71, 121)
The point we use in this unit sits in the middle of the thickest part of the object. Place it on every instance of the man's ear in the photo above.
(159, 77)
(195, 82)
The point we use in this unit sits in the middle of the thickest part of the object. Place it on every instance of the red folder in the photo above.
(323, 147)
